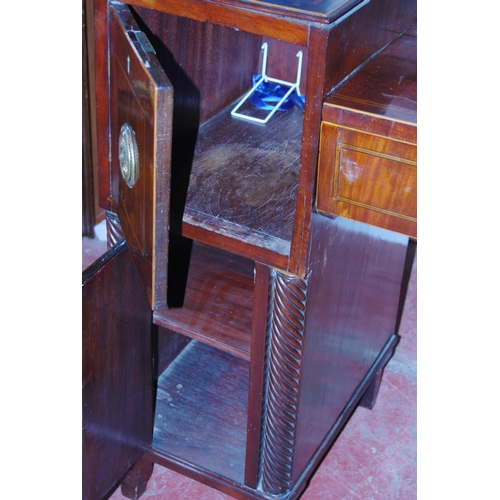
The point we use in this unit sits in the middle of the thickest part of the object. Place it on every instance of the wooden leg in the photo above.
(370, 396)
(135, 482)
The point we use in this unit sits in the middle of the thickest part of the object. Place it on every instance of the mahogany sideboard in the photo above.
(256, 272)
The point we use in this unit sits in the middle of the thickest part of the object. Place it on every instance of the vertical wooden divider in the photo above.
(257, 359)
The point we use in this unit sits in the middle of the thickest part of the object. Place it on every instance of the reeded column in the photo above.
(283, 377)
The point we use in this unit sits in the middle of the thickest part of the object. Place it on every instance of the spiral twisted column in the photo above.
(114, 231)
(283, 377)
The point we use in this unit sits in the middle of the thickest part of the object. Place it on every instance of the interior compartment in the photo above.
(217, 295)
(201, 410)
(229, 176)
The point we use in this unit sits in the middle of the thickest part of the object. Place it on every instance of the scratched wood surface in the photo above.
(247, 173)
(201, 410)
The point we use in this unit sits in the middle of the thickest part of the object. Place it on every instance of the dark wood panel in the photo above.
(357, 398)
(371, 121)
(167, 346)
(352, 308)
(368, 178)
(142, 98)
(364, 32)
(231, 16)
(88, 205)
(217, 301)
(209, 65)
(324, 11)
(309, 152)
(117, 395)
(201, 410)
(368, 159)
(246, 173)
(240, 240)
(261, 313)
(100, 14)
(382, 97)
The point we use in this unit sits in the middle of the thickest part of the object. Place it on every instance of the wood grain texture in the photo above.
(142, 97)
(247, 173)
(209, 65)
(88, 205)
(368, 178)
(209, 50)
(382, 97)
(117, 392)
(323, 11)
(357, 396)
(353, 299)
(261, 317)
(338, 51)
(201, 410)
(217, 305)
(243, 492)
(309, 152)
(101, 78)
(247, 20)
(283, 381)
(230, 177)
(238, 239)
(368, 159)
(383, 89)
(365, 31)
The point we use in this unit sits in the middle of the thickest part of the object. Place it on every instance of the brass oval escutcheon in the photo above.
(128, 154)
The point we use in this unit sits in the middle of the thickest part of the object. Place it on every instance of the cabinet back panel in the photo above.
(209, 66)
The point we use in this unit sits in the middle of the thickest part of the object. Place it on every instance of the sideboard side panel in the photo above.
(352, 307)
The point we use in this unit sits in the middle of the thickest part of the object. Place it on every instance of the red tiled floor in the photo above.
(374, 458)
(92, 248)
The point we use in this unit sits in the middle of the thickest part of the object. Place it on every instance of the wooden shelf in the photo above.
(243, 182)
(203, 394)
(217, 307)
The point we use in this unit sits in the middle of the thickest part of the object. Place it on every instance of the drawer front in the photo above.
(368, 178)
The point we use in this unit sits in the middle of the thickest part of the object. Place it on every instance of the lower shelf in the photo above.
(217, 305)
(201, 410)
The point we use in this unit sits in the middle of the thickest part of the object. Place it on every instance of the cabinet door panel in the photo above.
(117, 385)
(141, 103)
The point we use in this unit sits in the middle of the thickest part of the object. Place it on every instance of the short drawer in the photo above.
(368, 178)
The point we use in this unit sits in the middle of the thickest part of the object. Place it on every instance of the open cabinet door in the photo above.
(141, 105)
(117, 371)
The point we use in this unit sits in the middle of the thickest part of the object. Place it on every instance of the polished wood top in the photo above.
(322, 11)
(314, 10)
(385, 87)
